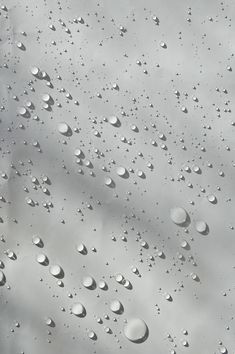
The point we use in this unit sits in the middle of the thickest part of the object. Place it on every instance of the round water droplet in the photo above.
(22, 111)
(178, 215)
(223, 350)
(185, 343)
(119, 278)
(63, 128)
(20, 45)
(201, 226)
(11, 255)
(102, 285)
(211, 198)
(46, 97)
(82, 248)
(42, 259)
(92, 335)
(49, 321)
(79, 310)
(113, 120)
(168, 297)
(136, 330)
(196, 169)
(88, 282)
(184, 244)
(127, 284)
(108, 181)
(35, 71)
(78, 153)
(37, 241)
(116, 306)
(121, 171)
(56, 270)
(140, 173)
(194, 276)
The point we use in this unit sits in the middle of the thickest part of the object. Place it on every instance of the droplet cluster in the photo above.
(117, 177)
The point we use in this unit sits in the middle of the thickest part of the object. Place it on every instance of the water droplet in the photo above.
(121, 171)
(42, 259)
(113, 120)
(178, 215)
(201, 226)
(119, 278)
(92, 335)
(2, 278)
(37, 241)
(108, 181)
(88, 282)
(116, 306)
(63, 128)
(35, 71)
(136, 330)
(212, 198)
(102, 285)
(56, 271)
(79, 310)
(82, 249)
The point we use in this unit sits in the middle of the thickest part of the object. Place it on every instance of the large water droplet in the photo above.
(178, 215)
(136, 330)
(116, 306)
(56, 271)
(79, 310)
(63, 128)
